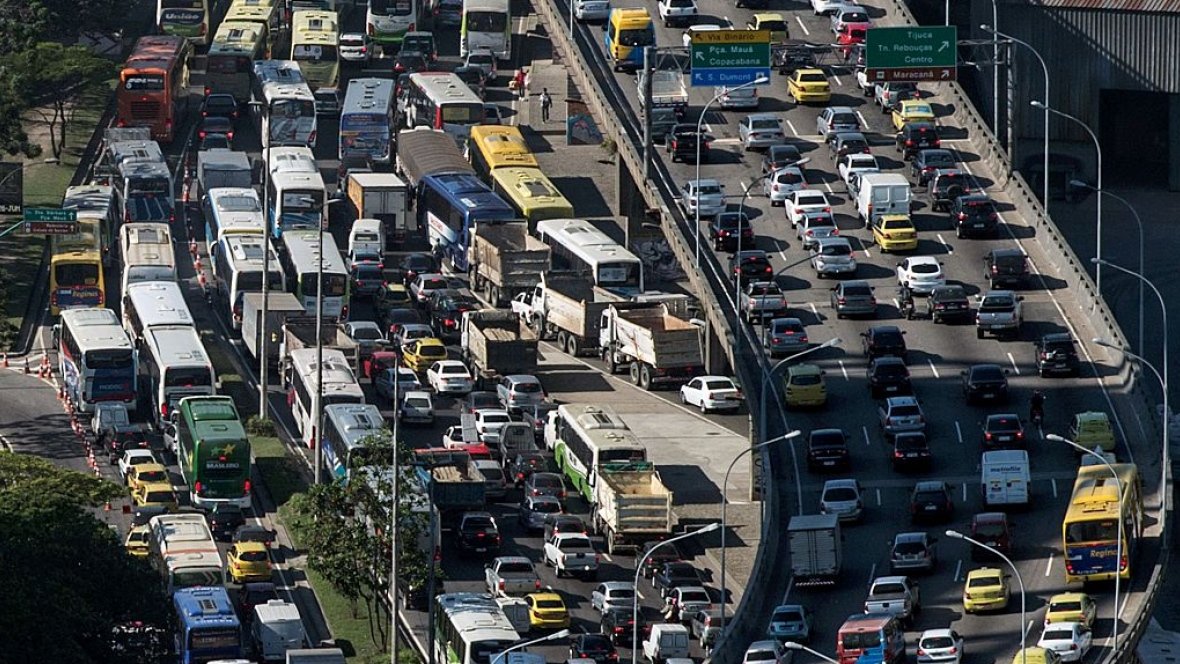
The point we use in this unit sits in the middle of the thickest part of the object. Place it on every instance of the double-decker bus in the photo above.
(355, 435)
(589, 436)
(95, 202)
(184, 18)
(147, 254)
(295, 191)
(230, 61)
(388, 21)
(441, 100)
(1096, 513)
(486, 26)
(578, 246)
(285, 111)
(533, 195)
(232, 211)
(76, 268)
(301, 260)
(263, 12)
(367, 120)
(470, 628)
(207, 628)
(498, 146)
(315, 45)
(96, 360)
(238, 262)
(451, 205)
(213, 451)
(153, 85)
(177, 367)
(184, 551)
(339, 386)
(138, 171)
(149, 305)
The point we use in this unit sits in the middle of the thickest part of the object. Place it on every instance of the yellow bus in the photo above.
(1093, 519)
(628, 31)
(498, 146)
(76, 269)
(263, 12)
(531, 193)
(315, 41)
(230, 64)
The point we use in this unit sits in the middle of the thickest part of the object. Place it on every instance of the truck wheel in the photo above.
(978, 333)
(611, 367)
(571, 345)
(635, 373)
(645, 377)
(561, 339)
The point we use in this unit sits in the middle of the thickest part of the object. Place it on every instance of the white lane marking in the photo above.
(843, 369)
(933, 368)
(1028, 628)
(829, 188)
(783, 254)
(813, 309)
(606, 557)
(793, 130)
(959, 432)
(949, 251)
(726, 141)
(964, 493)
(879, 503)
(863, 122)
(1013, 361)
(1054, 483)
(868, 441)
(834, 77)
(896, 303)
(804, 27)
(1049, 564)
(787, 594)
(640, 595)
(872, 573)
(7, 445)
(958, 569)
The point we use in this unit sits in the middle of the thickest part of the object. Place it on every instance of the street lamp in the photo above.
(1139, 222)
(1098, 150)
(761, 80)
(318, 400)
(794, 645)
(561, 634)
(1045, 184)
(954, 534)
(264, 356)
(1118, 551)
(725, 502)
(638, 569)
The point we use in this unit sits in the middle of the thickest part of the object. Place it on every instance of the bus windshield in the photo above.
(641, 37)
(144, 83)
(616, 456)
(76, 274)
(215, 637)
(115, 358)
(314, 52)
(1081, 532)
(334, 284)
(391, 7)
(462, 113)
(149, 186)
(252, 281)
(188, 377)
(486, 21)
(196, 577)
(618, 274)
(292, 109)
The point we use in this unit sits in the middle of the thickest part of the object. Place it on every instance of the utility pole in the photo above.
(648, 148)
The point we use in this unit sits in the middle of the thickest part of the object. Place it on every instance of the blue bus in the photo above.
(206, 626)
(97, 361)
(367, 119)
(451, 205)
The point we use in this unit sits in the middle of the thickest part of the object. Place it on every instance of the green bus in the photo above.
(212, 451)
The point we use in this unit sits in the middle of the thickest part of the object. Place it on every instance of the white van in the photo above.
(277, 628)
(666, 641)
(1005, 477)
(366, 241)
(881, 194)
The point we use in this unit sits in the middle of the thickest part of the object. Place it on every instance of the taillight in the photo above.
(1020, 434)
(840, 300)
(229, 136)
(311, 137)
(897, 454)
(246, 486)
(197, 487)
(501, 584)
(204, 28)
(987, 436)
(163, 411)
(208, 90)
(909, 142)
(937, 142)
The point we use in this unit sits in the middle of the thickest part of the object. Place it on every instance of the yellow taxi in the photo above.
(1036, 655)
(137, 542)
(1092, 430)
(146, 473)
(154, 494)
(895, 232)
(248, 561)
(390, 297)
(772, 22)
(912, 110)
(986, 589)
(809, 86)
(419, 354)
(1071, 607)
(547, 611)
(805, 387)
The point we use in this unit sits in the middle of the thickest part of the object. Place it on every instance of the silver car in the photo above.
(912, 551)
(835, 119)
(519, 391)
(778, 184)
(842, 498)
(854, 298)
(416, 406)
(611, 594)
(832, 255)
(784, 336)
(708, 194)
(814, 226)
(761, 130)
(899, 414)
(535, 509)
(591, 10)
(737, 97)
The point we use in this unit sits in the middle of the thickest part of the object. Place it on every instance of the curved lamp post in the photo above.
(954, 534)
(561, 634)
(638, 569)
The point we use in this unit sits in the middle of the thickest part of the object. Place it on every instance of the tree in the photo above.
(13, 139)
(22, 23)
(68, 579)
(66, 18)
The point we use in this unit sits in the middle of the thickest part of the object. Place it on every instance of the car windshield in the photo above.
(478, 522)
(515, 567)
(910, 443)
(811, 198)
(904, 411)
(989, 530)
(1011, 260)
(937, 159)
(550, 604)
(925, 268)
(983, 582)
(1058, 607)
(418, 402)
(833, 439)
(1059, 634)
(987, 374)
(760, 656)
(918, 109)
(840, 494)
(694, 596)
(546, 482)
(783, 153)
(996, 303)
(764, 123)
(908, 548)
(813, 78)
(887, 339)
(496, 418)
(765, 289)
(367, 333)
(845, 119)
(836, 249)
(709, 189)
(253, 556)
(861, 640)
(929, 497)
(932, 642)
(547, 507)
(718, 385)
(787, 615)
(787, 328)
(891, 369)
(858, 291)
(789, 177)
(1002, 424)
(806, 380)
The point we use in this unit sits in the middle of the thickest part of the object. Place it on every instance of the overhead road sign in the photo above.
(50, 221)
(919, 53)
(730, 57)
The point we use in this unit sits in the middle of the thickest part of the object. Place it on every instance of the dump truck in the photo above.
(667, 90)
(300, 332)
(566, 308)
(451, 480)
(504, 260)
(424, 151)
(495, 344)
(222, 168)
(384, 197)
(814, 543)
(660, 348)
(279, 307)
(631, 505)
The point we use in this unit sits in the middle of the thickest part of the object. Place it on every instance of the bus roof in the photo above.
(296, 180)
(528, 187)
(95, 328)
(176, 345)
(205, 606)
(254, 12)
(244, 252)
(182, 527)
(368, 95)
(442, 87)
(1095, 492)
(86, 241)
(292, 159)
(278, 71)
(308, 22)
(143, 170)
(159, 303)
(601, 425)
(237, 211)
(304, 249)
(485, 5)
(338, 375)
(357, 421)
(154, 54)
(236, 37)
(90, 200)
(208, 408)
(582, 238)
(502, 145)
(137, 151)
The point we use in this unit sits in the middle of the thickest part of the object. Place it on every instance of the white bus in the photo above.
(578, 246)
(232, 211)
(301, 265)
(285, 111)
(95, 201)
(296, 190)
(388, 21)
(177, 366)
(486, 26)
(184, 551)
(147, 253)
(96, 360)
(441, 100)
(151, 304)
(237, 262)
(339, 386)
(367, 120)
(355, 435)
(587, 436)
(470, 628)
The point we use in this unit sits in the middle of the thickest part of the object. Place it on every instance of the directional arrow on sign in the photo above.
(945, 46)
(700, 55)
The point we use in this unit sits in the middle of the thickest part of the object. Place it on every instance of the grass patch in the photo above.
(232, 384)
(351, 633)
(280, 471)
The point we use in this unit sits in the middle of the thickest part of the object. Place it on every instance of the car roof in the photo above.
(887, 359)
(832, 240)
(930, 485)
(910, 537)
(884, 329)
(543, 499)
(618, 585)
(803, 370)
(1091, 416)
(514, 559)
(936, 633)
(841, 484)
(763, 116)
(1007, 251)
(901, 401)
(850, 136)
(749, 253)
(250, 545)
(985, 571)
(990, 517)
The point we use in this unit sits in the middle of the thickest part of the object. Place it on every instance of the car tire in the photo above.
(978, 333)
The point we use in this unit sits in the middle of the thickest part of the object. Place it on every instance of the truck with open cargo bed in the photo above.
(495, 344)
(659, 347)
(300, 332)
(504, 260)
(279, 307)
(632, 505)
(451, 480)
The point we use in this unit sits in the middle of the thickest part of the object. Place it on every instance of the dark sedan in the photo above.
(911, 451)
(931, 502)
(598, 647)
(884, 340)
(926, 162)
(1004, 431)
(753, 264)
(654, 562)
(888, 376)
(827, 449)
(674, 575)
(985, 382)
(731, 229)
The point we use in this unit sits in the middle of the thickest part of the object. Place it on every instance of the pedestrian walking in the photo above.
(546, 104)
(519, 82)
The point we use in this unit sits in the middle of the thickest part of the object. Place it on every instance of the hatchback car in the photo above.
(974, 215)
(814, 225)
(913, 551)
(760, 131)
(220, 105)
(888, 375)
(948, 303)
(420, 353)
(881, 340)
(731, 230)
(224, 519)
(945, 186)
(595, 647)
(416, 408)
(675, 574)
(548, 611)
(403, 334)
(915, 137)
(705, 625)
(1006, 268)
(921, 274)
(146, 473)
(856, 164)
(545, 484)
(990, 528)
(705, 197)
(805, 386)
(216, 124)
(618, 625)
(716, 393)
(1092, 430)
(355, 47)
(1070, 640)
(845, 143)
(986, 589)
(901, 414)
(449, 377)
(780, 156)
(827, 449)
(854, 298)
(778, 184)
(912, 110)
(929, 160)
(835, 119)
(940, 646)
(154, 494)
(750, 264)
(1002, 431)
(931, 502)
(410, 62)
(783, 336)
(985, 382)
(519, 391)
(842, 498)
(684, 143)
(911, 451)
(895, 232)
(610, 594)
(765, 652)
(1056, 353)
(248, 561)
(653, 561)
(790, 622)
(535, 509)
(1071, 607)
(489, 422)
(484, 60)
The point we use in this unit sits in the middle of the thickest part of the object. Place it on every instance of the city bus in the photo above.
(486, 25)
(96, 360)
(628, 31)
(533, 195)
(315, 41)
(184, 551)
(184, 18)
(94, 202)
(230, 61)
(207, 628)
(470, 628)
(451, 205)
(441, 100)
(588, 436)
(153, 85)
(1092, 521)
(238, 262)
(177, 366)
(213, 451)
(498, 146)
(232, 211)
(388, 21)
(301, 267)
(147, 253)
(76, 268)
(149, 305)
(367, 120)
(355, 436)
(295, 191)
(578, 246)
(263, 12)
(285, 112)
(339, 386)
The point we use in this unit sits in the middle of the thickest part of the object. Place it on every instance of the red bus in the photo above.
(153, 86)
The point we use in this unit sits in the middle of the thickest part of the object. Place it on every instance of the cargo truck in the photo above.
(495, 344)
(504, 260)
(667, 90)
(384, 197)
(300, 332)
(632, 505)
(660, 348)
(814, 542)
(222, 168)
(566, 308)
(424, 151)
(451, 480)
(279, 307)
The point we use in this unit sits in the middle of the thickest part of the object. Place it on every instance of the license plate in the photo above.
(481, 549)
(930, 508)
(1004, 439)
(912, 455)
(989, 396)
(830, 463)
(976, 225)
(891, 388)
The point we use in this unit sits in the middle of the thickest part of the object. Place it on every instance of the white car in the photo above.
(407, 332)
(1070, 640)
(425, 284)
(765, 652)
(696, 29)
(484, 60)
(711, 393)
(940, 646)
(842, 498)
(489, 421)
(450, 377)
(798, 203)
(921, 273)
(407, 381)
(677, 12)
(823, 7)
(135, 457)
(416, 406)
(591, 10)
(355, 47)
(778, 184)
(856, 162)
(709, 194)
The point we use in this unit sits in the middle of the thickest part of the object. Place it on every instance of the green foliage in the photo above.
(22, 23)
(67, 16)
(257, 426)
(21, 475)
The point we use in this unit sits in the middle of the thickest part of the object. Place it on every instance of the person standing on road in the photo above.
(546, 104)
(518, 82)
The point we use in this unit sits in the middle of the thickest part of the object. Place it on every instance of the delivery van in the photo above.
(1004, 477)
(881, 194)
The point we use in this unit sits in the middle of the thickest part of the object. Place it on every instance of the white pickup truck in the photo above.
(571, 554)
(896, 595)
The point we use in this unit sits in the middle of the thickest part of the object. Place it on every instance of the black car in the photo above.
(1002, 432)
(881, 340)
(564, 523)
(1006, 268)
(413, 265)
(117, 440)
(481, 399)
(730, 229)
(793, 55)
(662, 555)
(682, 143)
(526, 463)
(827, 449)
(215, 142)
(598, 647)
(422, 42)
(985, 382)
(847, 142)
(974, 215)
(224, 519)
(674, 575)
(779, 156)
(254, 533)
(474, 78)
(927, 161)
(618, 624)
(1057, 354)
(220, 105)
(215, 125)
(391, 320)
(931, 502)
(945, 186)
(447, 307)
(410, 62)
(536, 416)
(948, 303)
(911, 451)
(916, 136)
(662, 122)
(888, 376)
(752, 264)
(478, 533)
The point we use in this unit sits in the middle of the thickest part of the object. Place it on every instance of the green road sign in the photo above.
(730, 57)
(50, 214)
(920, 53)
